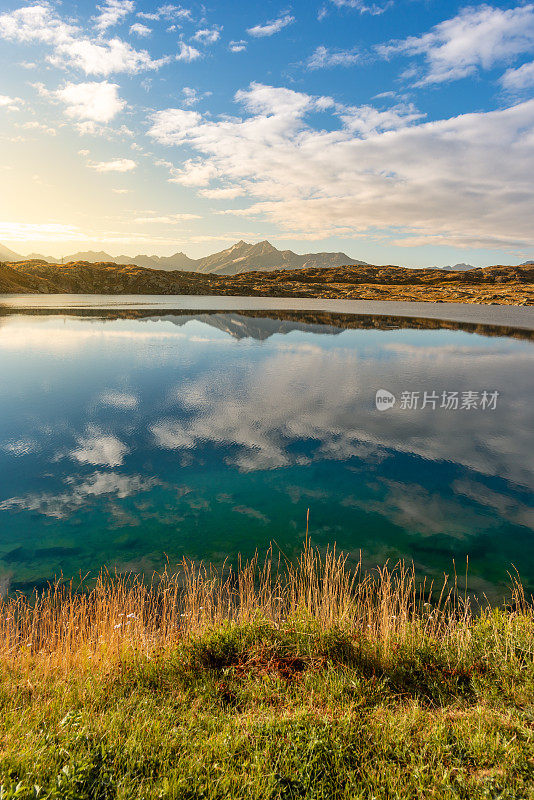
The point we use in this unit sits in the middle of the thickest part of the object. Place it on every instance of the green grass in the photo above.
(303, 682)
(259, 710)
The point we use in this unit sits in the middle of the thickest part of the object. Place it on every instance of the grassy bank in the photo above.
(274, 682)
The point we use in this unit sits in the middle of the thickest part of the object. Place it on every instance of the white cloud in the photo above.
(37, 22)
(323, 57)
(117, 165)
(93, 101)
(140, 30)
(374, 9)
(207, 35)
(46, 231)
(40, 23)
(169, 219)
(173, 125)
(190, 96)
(276, 101)
(104, 58)
(515, 80)
(270, 28)
(187, 52)
(223, 193)
(371, 170)
(38, 126)
(167, 12)
(112, 12)
(237, 46)
(10, 103)
(476, 38)
(194, 173)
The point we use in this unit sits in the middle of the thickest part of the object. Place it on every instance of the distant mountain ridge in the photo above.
(462, 267)
(240, 257)
(9, 255)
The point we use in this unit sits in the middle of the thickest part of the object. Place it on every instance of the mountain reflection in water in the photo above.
(130, 437)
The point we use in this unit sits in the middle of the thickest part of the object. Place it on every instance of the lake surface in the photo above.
(128, 437)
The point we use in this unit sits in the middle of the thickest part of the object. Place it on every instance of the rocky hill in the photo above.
(498, 284)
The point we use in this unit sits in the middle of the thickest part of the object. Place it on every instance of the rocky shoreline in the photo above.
(495, 285)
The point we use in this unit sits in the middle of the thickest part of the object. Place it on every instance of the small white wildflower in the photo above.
(131, 616)
(117, 626)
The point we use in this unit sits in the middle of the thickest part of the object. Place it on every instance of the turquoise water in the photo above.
(129, 442)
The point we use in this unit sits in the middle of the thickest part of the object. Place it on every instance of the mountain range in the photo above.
(240, 257)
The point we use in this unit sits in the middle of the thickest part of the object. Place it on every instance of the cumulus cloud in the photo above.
(191, 96)
(38, 126)
(173, 125)
(167, 12)
(370, 170)
(207, 35)
(36, 23)
(104, 58)
(70, 48)
(94, 101)
(116, 165)
(112, 12)
(323, 57)
(476, 38)
(272, 27)
(237, 46)
(187, 52)
(374, 9)
(47, 231)
(140, 30)
(168, 219)
(516, 80)
(194, 173)
(10, 103)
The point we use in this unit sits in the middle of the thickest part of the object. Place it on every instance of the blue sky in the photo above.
(399, 131)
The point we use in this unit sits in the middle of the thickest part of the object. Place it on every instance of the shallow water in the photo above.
(478, 314)
(130, 441)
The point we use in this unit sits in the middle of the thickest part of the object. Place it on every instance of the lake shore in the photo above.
(499, 319)
(498, 285)
(307, 681)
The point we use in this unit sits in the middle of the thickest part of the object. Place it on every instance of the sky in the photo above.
(397, 131)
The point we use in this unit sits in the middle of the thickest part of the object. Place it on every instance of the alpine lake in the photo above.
(135, 434)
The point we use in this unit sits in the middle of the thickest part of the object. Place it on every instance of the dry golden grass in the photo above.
(68, 627)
